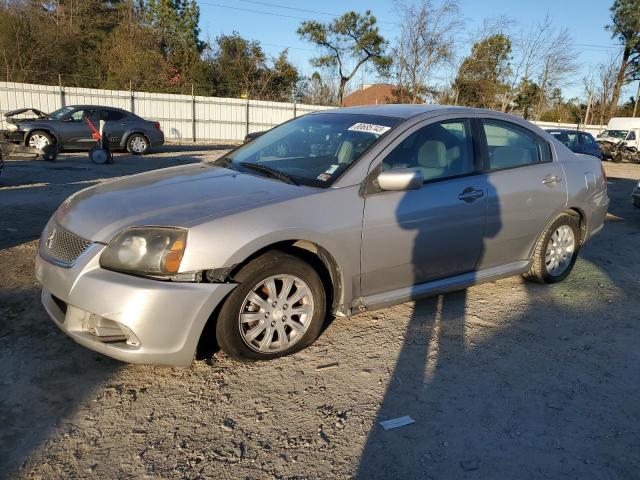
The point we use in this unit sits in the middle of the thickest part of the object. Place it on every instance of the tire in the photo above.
(543, 269)
(39, 139)
(100, 156)
(258, 337)
(137, 144)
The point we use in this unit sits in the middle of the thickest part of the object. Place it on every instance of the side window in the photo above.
(573, 139)
(92, 115)
(513, 146)
(112, 115)
(439, 150)
(77, 115)
(587, 139)
(632, 135)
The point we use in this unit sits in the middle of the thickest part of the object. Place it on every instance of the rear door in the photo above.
(525, 189)
(115, 125)
(412, 237)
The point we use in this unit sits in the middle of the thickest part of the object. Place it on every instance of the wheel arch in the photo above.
(129, 133)
(316, 255)
(582, 221)
(33, 130)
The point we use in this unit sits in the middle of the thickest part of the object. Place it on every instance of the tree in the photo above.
(426, 43)
(175, 22)
(542, 55)
(241, 68)
(528, 93)
(481, 78)
(315, 91)
(625, 18)
(348, 43)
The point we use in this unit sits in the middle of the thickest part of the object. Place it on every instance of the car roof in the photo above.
(399, 110)
(99, 106)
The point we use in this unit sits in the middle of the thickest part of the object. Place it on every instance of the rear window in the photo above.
(112, 115)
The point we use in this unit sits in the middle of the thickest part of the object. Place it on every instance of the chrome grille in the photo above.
(60, 245)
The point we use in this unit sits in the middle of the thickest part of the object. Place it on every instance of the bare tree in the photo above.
(426, 43)
(542, 55)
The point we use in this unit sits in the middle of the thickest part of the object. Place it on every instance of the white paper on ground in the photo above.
(397, 422)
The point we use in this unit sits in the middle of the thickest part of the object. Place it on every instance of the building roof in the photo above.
(371, 94)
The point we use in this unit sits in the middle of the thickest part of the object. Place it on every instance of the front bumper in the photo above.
(133, 319)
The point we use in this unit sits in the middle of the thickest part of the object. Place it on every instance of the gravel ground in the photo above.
(504, 380)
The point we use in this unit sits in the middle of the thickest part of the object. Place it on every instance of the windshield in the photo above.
(615, 133)
(61, 112)
(312, 150)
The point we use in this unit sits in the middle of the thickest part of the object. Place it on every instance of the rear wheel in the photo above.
(278, 308)
(556, 251)
(137, 144)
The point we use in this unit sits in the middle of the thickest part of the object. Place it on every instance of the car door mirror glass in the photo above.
(400, 179)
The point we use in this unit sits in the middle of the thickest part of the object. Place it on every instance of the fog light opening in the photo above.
(108, 331)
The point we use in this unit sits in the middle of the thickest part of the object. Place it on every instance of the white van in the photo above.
(623, 129)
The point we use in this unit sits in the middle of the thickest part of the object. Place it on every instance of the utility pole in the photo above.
(63, 102)
(586, 115)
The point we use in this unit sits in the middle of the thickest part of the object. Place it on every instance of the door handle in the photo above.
(470, 194)
(551, 179)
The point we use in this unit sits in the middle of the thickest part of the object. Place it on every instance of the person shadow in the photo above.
(434, 346)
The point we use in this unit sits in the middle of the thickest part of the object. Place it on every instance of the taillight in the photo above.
(157, 125)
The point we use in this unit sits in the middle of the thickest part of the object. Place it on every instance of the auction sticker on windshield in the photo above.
(369, 128)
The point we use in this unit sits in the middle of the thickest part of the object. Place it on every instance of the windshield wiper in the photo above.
(272, 172)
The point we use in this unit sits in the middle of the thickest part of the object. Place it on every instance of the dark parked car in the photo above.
(73, 128)
(578, 142)
(635, 196)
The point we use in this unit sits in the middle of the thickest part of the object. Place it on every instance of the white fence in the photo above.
(182, 117)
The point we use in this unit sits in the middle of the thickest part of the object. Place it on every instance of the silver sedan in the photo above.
(328, 214)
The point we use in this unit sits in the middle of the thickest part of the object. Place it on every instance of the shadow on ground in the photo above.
(525, 396)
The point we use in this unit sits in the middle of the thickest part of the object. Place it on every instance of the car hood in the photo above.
(39, 115)
(609, 139)
(179, 196)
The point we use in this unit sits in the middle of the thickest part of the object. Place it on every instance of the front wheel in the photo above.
(278, 308)
(556, 251)
(137, 144)
(39, 140)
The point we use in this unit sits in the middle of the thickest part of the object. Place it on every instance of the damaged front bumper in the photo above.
(133, 319)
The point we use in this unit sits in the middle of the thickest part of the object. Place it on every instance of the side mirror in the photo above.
(400, 179)
(67, 119)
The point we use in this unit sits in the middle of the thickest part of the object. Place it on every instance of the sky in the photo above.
(274, 24)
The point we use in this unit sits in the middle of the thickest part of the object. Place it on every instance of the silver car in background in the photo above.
(328, 214)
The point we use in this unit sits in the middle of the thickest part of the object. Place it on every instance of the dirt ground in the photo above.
(504, 380)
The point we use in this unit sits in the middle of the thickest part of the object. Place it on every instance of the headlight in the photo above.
(12, 127)
(154, 251)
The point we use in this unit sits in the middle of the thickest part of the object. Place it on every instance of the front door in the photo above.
(75, 131)
(436, 231)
